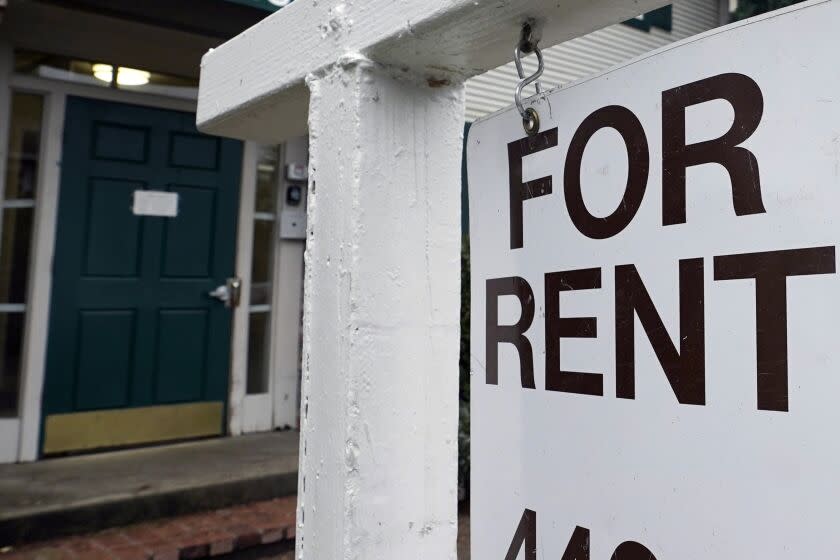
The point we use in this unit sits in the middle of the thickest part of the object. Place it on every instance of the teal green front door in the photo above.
(137, 350)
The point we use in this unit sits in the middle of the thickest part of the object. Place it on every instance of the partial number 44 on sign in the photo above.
(655, 300)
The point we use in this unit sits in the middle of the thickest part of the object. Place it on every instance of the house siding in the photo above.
(589, 54)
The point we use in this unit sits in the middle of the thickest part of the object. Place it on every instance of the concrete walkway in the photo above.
(88, 493)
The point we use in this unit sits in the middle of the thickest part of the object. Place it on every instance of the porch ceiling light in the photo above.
(125, 76)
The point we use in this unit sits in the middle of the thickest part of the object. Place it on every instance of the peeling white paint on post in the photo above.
(380, 387)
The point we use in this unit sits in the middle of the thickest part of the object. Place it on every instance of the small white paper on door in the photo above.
(155, 203)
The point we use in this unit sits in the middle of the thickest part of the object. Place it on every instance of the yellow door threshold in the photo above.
(83, 431)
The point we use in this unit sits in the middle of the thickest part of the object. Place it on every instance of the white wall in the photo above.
(588, 55)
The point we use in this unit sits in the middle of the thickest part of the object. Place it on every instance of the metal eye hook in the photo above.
(521, 69)
(530, 118)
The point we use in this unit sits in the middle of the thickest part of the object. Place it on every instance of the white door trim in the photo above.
(39, 292)
(45, 85)
(244, 249)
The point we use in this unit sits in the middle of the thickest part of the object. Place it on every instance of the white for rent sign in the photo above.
(656, 306)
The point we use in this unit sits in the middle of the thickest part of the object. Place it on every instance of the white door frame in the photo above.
(22, 434)
(278, 407)
(237, 403)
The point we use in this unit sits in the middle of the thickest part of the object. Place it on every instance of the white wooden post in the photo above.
(378, 419)
(380, 360)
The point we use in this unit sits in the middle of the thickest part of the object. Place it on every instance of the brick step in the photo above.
(200, 535)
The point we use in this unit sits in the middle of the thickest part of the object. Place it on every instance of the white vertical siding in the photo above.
(589, 54)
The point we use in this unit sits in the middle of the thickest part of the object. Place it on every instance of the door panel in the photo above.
(194, 151)
(131, 324)
(117, 142)
(186, 253)
(182, 351)
(106, 341)
(112, 242)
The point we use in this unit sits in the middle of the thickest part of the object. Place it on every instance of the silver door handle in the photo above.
(221, 293)
(228, 293)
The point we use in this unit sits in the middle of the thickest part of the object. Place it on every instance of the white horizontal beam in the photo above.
(265, 98)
